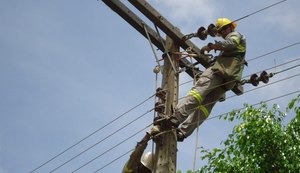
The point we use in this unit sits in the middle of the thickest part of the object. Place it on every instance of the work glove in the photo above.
(205, 48)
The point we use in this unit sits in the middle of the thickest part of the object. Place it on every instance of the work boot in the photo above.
(172, 122)
(180, 136)
(154, 130)
(169, 122)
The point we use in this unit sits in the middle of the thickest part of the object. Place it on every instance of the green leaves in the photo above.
(260, 143)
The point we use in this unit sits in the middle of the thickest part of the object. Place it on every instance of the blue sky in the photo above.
(69, 67)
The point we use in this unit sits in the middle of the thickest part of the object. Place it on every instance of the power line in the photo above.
(277, 50)
(256, 88)
(258, 72)
(113, 160)
(259, 10)
(255, 58)
(287, 69)
(97, 143)
(201, 120)
(130, 109)
(274, 98)
(217, 101)
(149, 98)
(273, 82)
(91, 134)
(111, 148)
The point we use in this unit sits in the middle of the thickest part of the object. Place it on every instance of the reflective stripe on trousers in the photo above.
(204, 110)
(198, 97)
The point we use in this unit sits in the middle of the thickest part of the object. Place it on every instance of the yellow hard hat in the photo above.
(148, 160)
(221, 22)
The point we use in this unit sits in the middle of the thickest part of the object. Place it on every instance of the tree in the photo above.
(260, 143)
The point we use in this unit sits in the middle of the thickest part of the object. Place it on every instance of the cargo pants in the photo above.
(197, 105)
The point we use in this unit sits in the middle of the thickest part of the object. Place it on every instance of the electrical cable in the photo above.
(256, 88)
(247, 92)
(164, 46)
(259, 11)
(260, 56)
(256, 72)
(97, 143)
(91, 134)
(225, 113)
(130, 110)
(269, 83)
(274, 51)
(154, 112)
(274, 98)
(111, 148)
(287, 69)
(113, 160)
(197, 130)
(213, 117)
(152, 48)
(144, 102)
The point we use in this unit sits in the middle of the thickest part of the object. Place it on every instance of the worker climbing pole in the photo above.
(177, 121)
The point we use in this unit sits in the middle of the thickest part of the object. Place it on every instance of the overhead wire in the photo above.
(91, 134)
(143, 115)
(97, 143)
(260, 56)
(210, 117)
(147, 126)
(197, 130)
(248, 60)
(274, 51)
(126, 139)
(113, 160)
(259, 10)
(168, 131)
(223, 84)
(147, 99)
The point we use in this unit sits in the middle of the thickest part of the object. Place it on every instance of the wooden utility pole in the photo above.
(166, 148)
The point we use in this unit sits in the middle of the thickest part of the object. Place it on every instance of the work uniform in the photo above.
(135, 158)
(212, 84)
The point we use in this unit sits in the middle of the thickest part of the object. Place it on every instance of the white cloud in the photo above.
(285, 18)
(187, 13)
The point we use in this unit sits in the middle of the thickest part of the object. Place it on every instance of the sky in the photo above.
(67, 68)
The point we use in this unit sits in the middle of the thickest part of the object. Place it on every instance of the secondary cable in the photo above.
(259, 11)
(257, 72)
(260, 56)
(131, 122)
(208, 118)
(111, 148)
(274, 98)
(91, 134)
(97, 143)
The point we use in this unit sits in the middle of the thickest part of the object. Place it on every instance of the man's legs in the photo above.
(201, 114)
(207, 83)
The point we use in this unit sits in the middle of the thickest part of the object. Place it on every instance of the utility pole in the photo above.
(166, 147)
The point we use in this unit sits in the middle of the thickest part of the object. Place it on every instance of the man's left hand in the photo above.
(205, 48)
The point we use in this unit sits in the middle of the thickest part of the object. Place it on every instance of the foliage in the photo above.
(260, 143)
